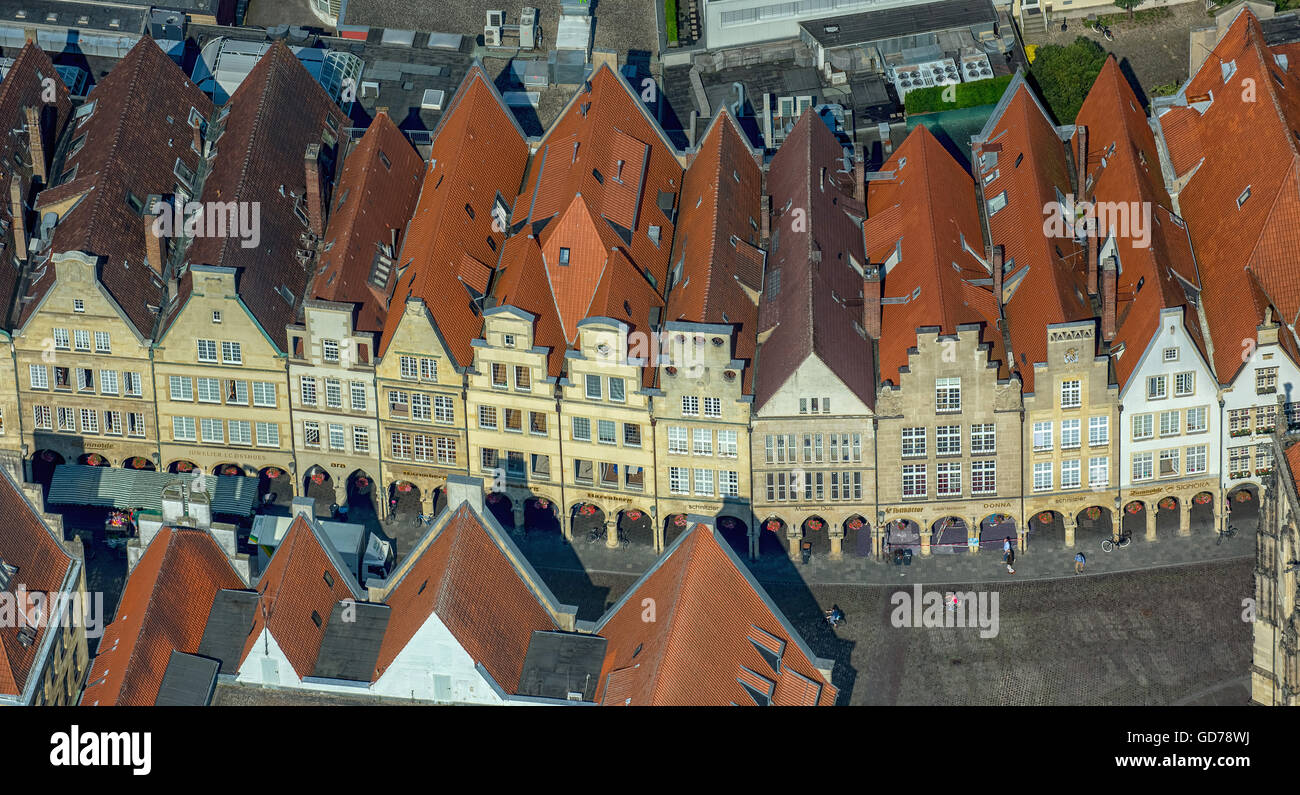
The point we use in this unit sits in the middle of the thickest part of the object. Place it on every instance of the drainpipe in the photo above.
(559, 435)
(1117, 518)
(875, 462)
(1023, 538)
(654, 473)
(13, 354)
(1222, 519)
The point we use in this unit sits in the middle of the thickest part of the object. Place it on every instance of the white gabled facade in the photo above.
(1264, 392)
(1169, 424)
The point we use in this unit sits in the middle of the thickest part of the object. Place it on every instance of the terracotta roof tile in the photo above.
(164, 607)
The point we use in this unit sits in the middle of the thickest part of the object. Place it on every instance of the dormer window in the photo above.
(1245, 194)
(564, 256)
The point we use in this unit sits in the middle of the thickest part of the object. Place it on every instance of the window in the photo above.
(947, 479)
(443, 409)
(237, 392)
(410, 366)
(1142, 426)
(1266, 380)
(1169, 422)
(429, 369)
(947, 395)
(983, 477)
(581, 429)
(360, 439)
(583, 472)
(1156, 387)
(1238, 422)
(420, 405)
(1196, 459)
(1042, 436)
(677, 480)
(1171, 354)
(913, 442)
(1070, 395)
(42, 418)
(212, 430)
(268, 434)
(89, 421)
(78, 305)
(67, 419)
(81, 340)
(677, 442)
(914, 480)
(498, 376)
(524, 380)
(85, 379)
(702, 441)
(1196, 420)
(264, 393)
(1098, 430)
(803, 405)
(329, 350)
(487, 417)
(1239, 461)
(508, 340)
(593, 387)
(727, 447)
(216, 316)
(311, 434)
(1070, 434)
(704, 482)
(537, 423)
(631, 435)
(308, 390)
(61, 378)
(131, 384)
(617, 390)
(1184, 384)
(1070, 474)
(401, 445)
(712, 407)
(605, 432)
(690, 406)
(183, 429)
(357, 391)
(337, 437)
(728, 484)
(231, 353)
(40, 376)
(207, 350)
(542, 466)
(240, 431)
(1168, 463)
(947, 440)
(61, 339)
(397, 405)
(135, 424)
(102, 344)
(1098, 471)
(181, 388)
(209, 390)
(1043, 476)
(564, 256)
(1142, 466)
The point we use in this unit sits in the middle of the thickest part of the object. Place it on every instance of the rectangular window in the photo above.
(360, 439)
(1098, 431)
(1196, 420)
(67, 419)
(40, 376)
(1143, 426)
(401, 445)
(913, 442)
(947, 440)
(81, 340)
(487, 417)
(181, 388)
(1043, 476)
(357, 392)
(605, 433)
(524, 379)
(334, 395)
(1098, 471)
(542, 466)
(429, 369)
(183, 429)
(89, 421)
(131, 384)
(631, 435)
(422, 444)
(581, 429)
(1265, 380)
(678, 480)
(690, 406)
(1042, 436)
(947, 395)
(1265, 418)
(212, 431)
(1196, 460)
(677, 442)
(728, 484)
(1169, 463)
(704, 482)
(498, 376)
(914, 480)
(421, 407)
(1156, 387)
(1184, 384)
(1142, 466)
(264, 393)
(397, 404)
(702, 441)
(231, 353)
(593, 387)
(61, 378)
(1169, 423)
(727, 445)
(61, 340)
(712, 407)
(102, 344)
(583, 472)
(409, 366)
(135, 424)
(983, 477)
(1071, 396)
(443, 409)
(1070, 434)
(85, 379)
(311, 434)
(268, 434)
(240, 431)
(207, 350)
(209, 390)
(537, 423)
(1238, 422)
(1070, 474)
(1238, 461)
(329, 350)
(617, 390)
(42, 418)
(337, 437)
(947, 479)
(514, 420)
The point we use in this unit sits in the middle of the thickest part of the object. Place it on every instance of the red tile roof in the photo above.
(277, 111)
(711, 619)
(717, 239)
(479, 154)
(470, 582)
(927, 212)
(293, 587)
(1292, 455)
(810, 286)
(1249, 142)
(1045, 276)
(30, 546)
(372, 204)
(1124, 168)
(523, 283)
(164, 607)
(137, 131)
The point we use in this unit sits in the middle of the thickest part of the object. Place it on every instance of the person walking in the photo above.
(1010, 555)
(1079, 561)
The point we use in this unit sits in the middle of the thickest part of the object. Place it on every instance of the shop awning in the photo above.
(108, 487)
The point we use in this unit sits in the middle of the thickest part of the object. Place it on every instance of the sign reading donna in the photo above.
(654, 349)
(1075, 219)
(240, 220)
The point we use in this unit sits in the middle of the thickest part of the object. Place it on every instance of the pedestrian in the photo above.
(1011, 558)
(1006, 545)
(1079, 561)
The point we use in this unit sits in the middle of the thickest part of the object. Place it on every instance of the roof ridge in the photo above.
(672, 626)
(153, 593)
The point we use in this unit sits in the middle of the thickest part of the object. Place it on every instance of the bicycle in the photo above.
(595, 534)
(1107, 544)
(1227, 532)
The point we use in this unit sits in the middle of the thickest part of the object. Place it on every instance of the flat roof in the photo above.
(889, 23)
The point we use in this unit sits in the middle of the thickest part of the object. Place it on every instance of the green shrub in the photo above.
(964, 95)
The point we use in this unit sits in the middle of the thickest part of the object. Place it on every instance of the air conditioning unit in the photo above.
(492, 36)
(495, 19)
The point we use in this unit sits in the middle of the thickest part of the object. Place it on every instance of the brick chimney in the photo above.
(996, 264)
(198, 140)
(1108, 274)
(1081, 162)
(153, 242)
(859, 181)
(1090, 256)
(315, 212)
(765, 221)
(36, 142)
(19, 216)
(871, 301)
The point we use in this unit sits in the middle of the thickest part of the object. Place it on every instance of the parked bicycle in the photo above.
(1227, 532)
(1107, 544)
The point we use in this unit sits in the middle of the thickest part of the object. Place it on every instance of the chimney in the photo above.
(1108, 299)
(996, 263)
(153, 243)
(859, 182)
(1090, 256)
(304, 507)
(36, 142)
(765, 221)
(871, 301)
(20, 216)
(466, 489)
(314, 210)
(1081, 163)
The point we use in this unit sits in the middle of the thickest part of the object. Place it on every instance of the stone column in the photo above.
(611, 532)
(1184, 517)
(837, 546)
(926, 529)
(793, 542)
(1151, 521)
(518, 512)
(1071, 524)
(973, 531)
